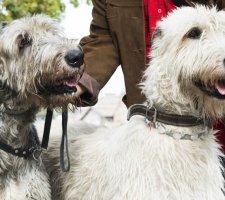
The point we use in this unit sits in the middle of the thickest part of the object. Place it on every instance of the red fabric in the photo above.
(154, 10)
(220, 134)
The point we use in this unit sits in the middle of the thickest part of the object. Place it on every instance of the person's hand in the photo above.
(80, 90)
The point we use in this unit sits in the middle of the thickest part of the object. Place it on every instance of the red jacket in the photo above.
(220, 134)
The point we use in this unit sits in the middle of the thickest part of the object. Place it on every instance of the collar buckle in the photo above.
(151, 121)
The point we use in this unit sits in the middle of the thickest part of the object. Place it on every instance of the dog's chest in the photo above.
(139, 163)
(33, 185)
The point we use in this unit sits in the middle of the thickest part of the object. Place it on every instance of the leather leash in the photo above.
(64, 143)
(64, 140)
(47, 127)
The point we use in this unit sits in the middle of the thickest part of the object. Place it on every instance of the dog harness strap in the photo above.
(64, 142)
(16, 152)
(153, 115)
(25, 153)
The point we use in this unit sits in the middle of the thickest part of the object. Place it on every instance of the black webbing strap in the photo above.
(47, 127)
(64, 143)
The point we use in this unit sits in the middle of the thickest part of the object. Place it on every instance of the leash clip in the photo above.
(151, 123)
(37, 153)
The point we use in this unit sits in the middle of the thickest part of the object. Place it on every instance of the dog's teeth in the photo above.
(65, 94)
(73, 93)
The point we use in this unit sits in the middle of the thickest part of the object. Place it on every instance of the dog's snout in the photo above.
(74, 57)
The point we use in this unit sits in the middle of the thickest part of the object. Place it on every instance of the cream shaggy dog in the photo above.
(159, 161)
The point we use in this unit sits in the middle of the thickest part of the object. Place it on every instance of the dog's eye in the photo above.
(194, 33)
(24, 41)
(3, 24)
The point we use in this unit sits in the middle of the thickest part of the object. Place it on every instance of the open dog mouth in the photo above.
(217, 90)
(63, 86)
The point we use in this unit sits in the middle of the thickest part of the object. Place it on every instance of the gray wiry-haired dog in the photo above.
(39, 68)
(174, 157)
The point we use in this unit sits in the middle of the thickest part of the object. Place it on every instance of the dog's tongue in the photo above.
(71, 82)
(221, 88)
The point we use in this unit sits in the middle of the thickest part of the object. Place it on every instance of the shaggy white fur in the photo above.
(136, 162)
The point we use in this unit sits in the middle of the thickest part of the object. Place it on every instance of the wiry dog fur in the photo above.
(39, 68)
(186, 76)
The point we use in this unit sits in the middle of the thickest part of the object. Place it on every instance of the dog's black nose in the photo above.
(74, 58)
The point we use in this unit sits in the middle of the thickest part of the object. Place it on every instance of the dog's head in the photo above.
(38, 65)
(187, 67)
